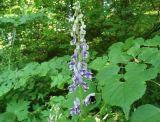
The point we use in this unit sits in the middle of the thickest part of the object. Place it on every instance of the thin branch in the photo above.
(155, 83)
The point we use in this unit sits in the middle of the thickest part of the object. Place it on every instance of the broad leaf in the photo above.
(153, 42)
(117, 55)
(123, 94)
(146, 113)
(147, 54)
(98, 63)
(107, 74)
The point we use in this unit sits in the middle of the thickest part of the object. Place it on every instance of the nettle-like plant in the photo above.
(24, 92)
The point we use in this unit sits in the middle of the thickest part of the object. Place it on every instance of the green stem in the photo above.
(100, 112)
(81, 102)
(80, 89)
(103, 107)
(12, 45)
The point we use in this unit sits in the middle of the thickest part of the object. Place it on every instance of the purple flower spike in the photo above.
(71, 65)
(78, 64)
(84, 86)
(83, 65)
(76, 79)
(72, 87)
(75, 56)
(82, 72)
(88, 75)
(84, 54)
(84, 46)
(87, 100)
(75, 110)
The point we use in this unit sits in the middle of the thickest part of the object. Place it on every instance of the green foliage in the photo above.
(34, 49)
(121, 81)
(20, 20)
(146, 113)
(98, 63)
(7, 117)
(25, 80)
(122, 75)
(19, 108)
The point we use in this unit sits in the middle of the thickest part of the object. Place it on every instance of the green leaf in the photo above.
(123, 94)
(43, 69)
(107, 74)
(59, 80)
(19, 108)
(57, 100)
(153, 42)
(21, 82)
(147, 54)
(134, 50)
(135, 72)
(98, 63)
(63, 119)
(131, 42)
(117, 55)
(155, 59)
(111, 120)
(7, 78)
(146, 113)
(7, 117)
(30, 69)
(90, 120)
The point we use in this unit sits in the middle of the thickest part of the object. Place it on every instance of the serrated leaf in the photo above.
(43, 69)
(146, 113)
(62, 62)
(57, 100)
(59, 80)
(7, 79)
(19, 108)
(30, 69)
(21, 82)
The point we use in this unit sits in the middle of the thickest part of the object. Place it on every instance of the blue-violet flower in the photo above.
(78, 64)
(76, 108)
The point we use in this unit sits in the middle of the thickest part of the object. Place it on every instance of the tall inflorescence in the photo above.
(78, 64)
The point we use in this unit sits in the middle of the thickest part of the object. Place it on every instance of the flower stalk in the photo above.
(78, 63)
